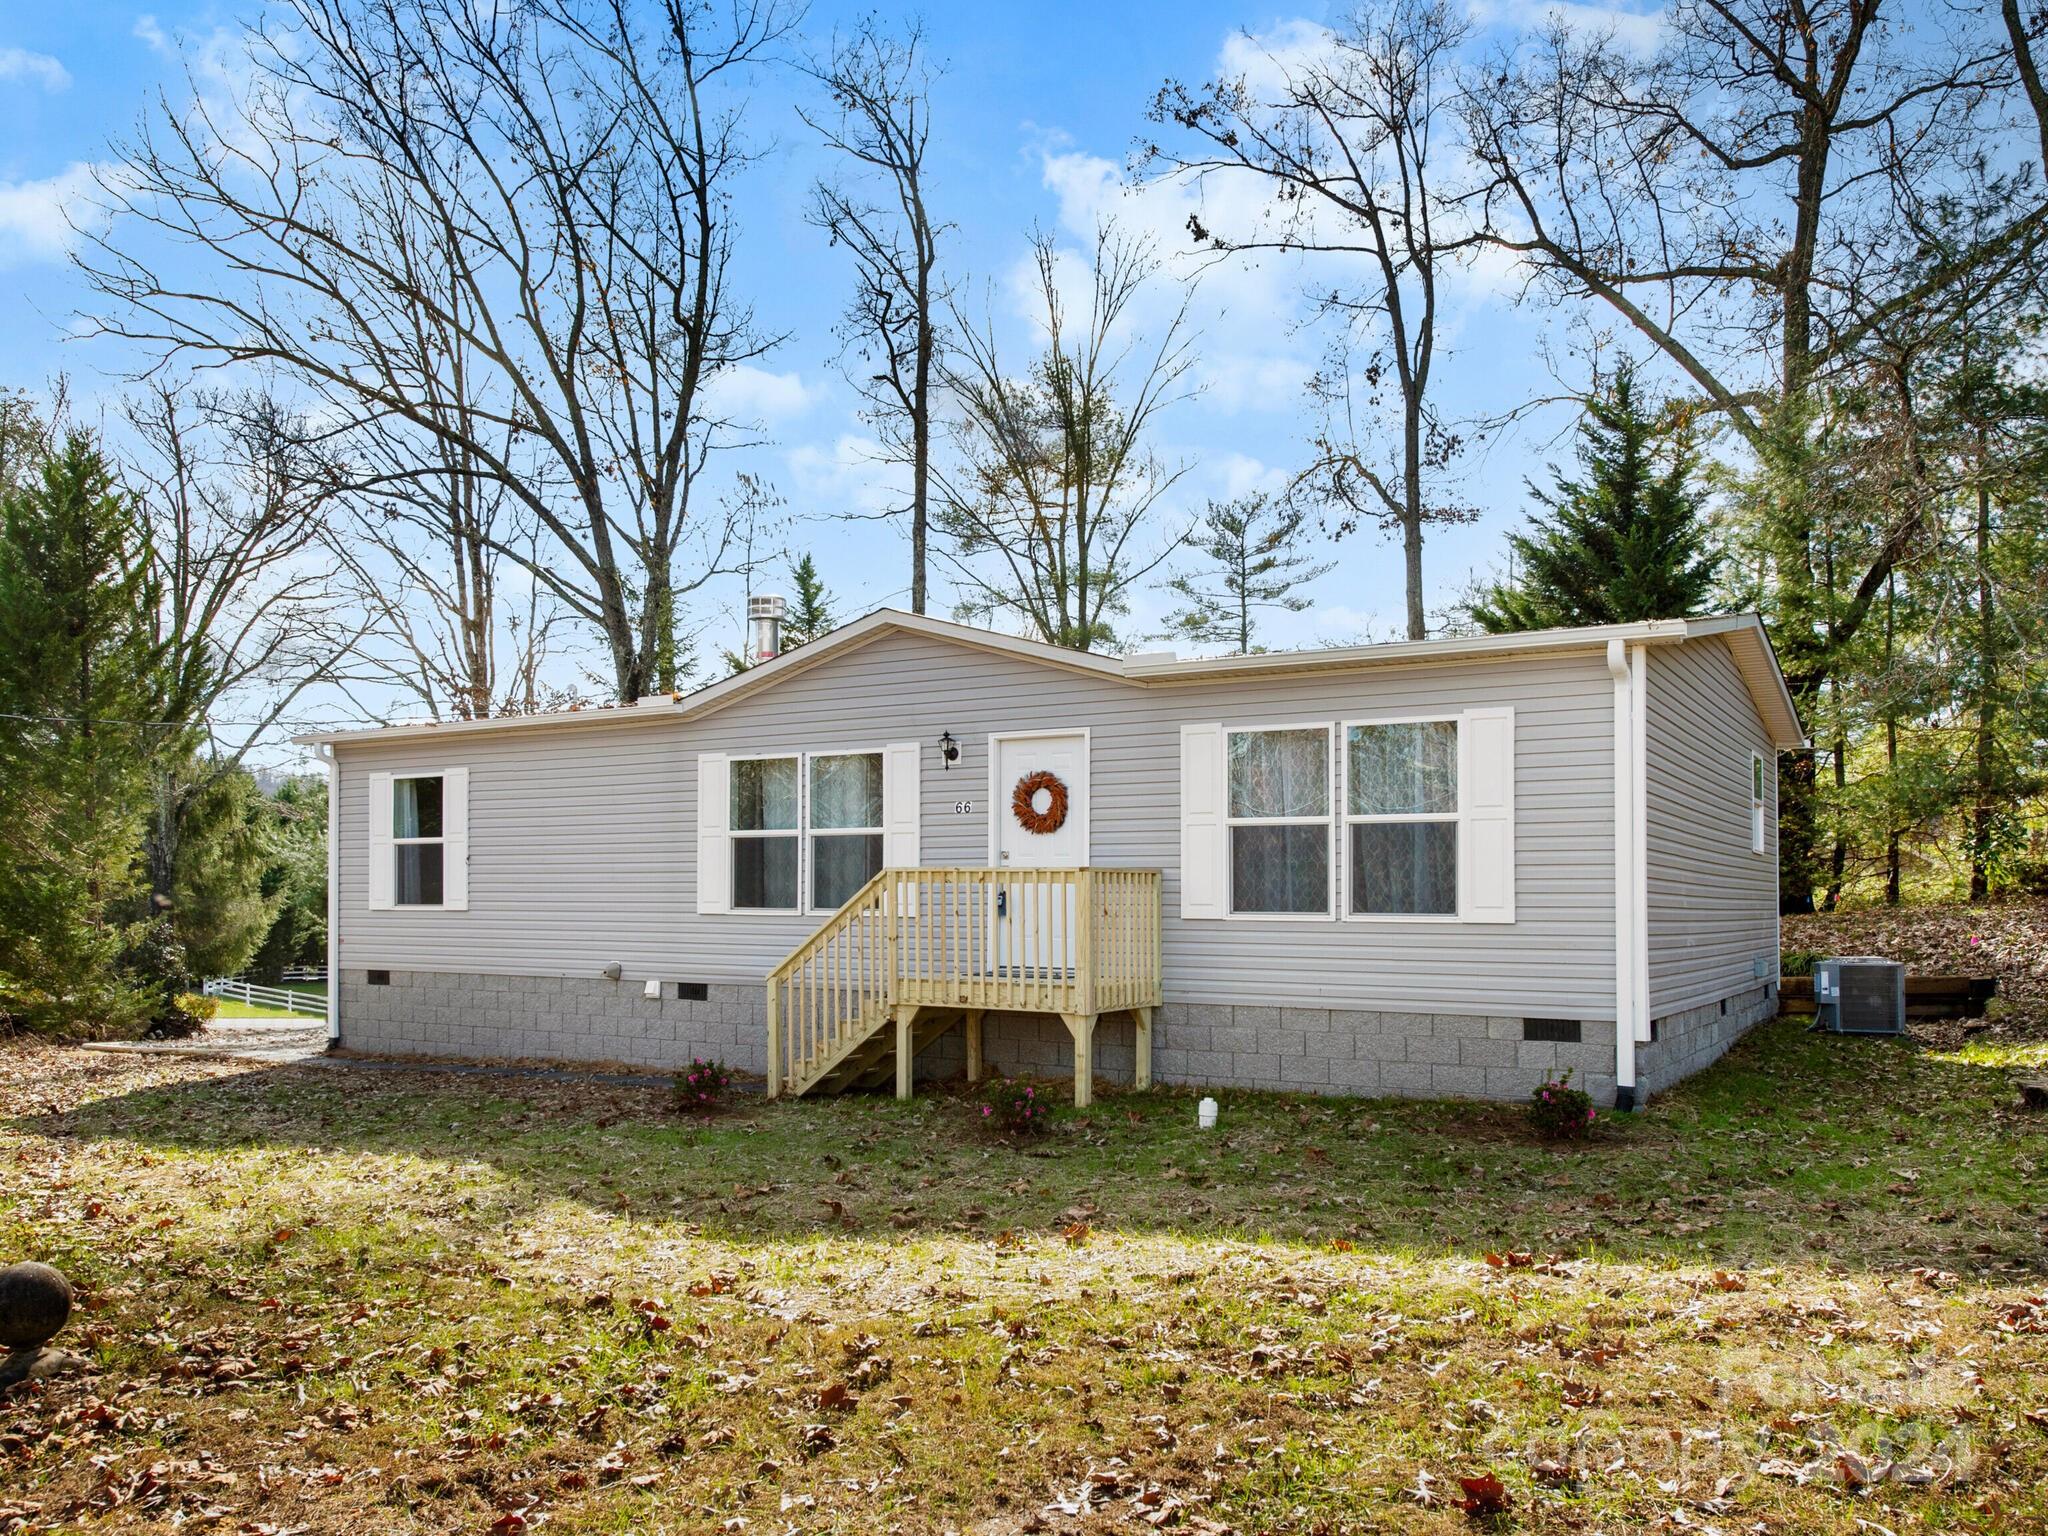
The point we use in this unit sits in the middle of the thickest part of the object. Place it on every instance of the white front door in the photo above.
(1035, 925)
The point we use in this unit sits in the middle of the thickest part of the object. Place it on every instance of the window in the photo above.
(418, 842)
(846, 826)
(1756, 802)
(805, 821)
(1278, 815)
(1401, 818)
(765, 837)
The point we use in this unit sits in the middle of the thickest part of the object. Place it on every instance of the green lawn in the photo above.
(1805, 1292)
(231, 1009)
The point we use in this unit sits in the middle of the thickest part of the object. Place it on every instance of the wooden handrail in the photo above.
(1073, 942)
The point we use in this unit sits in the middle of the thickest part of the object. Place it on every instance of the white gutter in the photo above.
(327, 755)
(1626, 665)
(1156, 667)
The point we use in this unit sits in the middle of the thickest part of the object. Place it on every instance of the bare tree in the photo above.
(426, 562)
(1056, 491)
(1347, 142)
(426, 522)
(890, 336)
(246, 619)
(563, 168)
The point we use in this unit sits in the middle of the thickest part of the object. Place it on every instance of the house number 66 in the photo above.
(963, 807)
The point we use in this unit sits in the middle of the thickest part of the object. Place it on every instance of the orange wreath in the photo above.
(1024, 807)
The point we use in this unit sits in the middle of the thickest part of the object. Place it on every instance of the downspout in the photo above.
(1625, 912)
(327, 754)
(1639, 770)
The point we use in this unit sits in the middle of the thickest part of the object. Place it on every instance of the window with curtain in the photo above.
(1401, 818)
(766, 840)
(1278, 814)
(417, 842)
(845, 820)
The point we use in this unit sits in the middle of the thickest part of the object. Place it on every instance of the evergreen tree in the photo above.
(1255, 562)
(296, 879)
(219, 906)
(1624, 541)
(76, 675)
(810, 615)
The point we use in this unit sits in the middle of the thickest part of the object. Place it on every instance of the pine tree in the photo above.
(1624, 541)
(810, 615)
(219, 906)
(296, 879)
(76, 672)
(1255, 563)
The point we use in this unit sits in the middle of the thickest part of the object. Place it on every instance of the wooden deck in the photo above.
(918, 951)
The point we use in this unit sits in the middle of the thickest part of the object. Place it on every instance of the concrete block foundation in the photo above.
(1311, 1050)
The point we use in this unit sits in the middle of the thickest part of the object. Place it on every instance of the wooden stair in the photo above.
(867, 1062)
(916, 952)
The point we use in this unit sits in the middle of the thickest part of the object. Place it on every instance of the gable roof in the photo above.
(1743, 633)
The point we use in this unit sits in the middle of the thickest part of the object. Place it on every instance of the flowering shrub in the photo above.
(702, 1086)
(1011, 1108)
(1560, 1112)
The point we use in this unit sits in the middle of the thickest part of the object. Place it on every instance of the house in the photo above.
(1442, 867)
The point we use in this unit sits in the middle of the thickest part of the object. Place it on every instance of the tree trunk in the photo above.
(1987, 697)
(1838, 859)
(1795, 827)
(921, 446)
(1891, 751)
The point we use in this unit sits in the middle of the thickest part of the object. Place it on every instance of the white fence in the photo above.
(267, 997)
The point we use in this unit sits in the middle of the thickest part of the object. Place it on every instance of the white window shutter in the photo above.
(714, 832)
(383, 876)
(900, 808)
(1486, 841)
(455, 839)
(1204, 871)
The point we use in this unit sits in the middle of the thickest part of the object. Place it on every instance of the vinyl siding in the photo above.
(1713, 903)
(583, 840)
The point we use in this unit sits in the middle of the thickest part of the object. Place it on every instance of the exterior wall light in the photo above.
(949, 749)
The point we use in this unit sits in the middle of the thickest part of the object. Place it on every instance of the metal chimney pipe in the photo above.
(765, 614)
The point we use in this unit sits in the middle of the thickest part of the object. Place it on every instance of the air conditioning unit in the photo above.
(1860, 995)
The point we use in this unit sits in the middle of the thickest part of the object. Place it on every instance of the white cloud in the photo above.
(20, 64)
(750, 394)
(1637, 31)
(37, 217)
(848, 475)
(1265, 60)
(1248, 310)
(1239, 474)
(153, 36)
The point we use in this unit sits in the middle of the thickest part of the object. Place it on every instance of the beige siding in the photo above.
(1713, 903)
(582, 839)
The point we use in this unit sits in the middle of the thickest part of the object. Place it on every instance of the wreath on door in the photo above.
(1024, 803)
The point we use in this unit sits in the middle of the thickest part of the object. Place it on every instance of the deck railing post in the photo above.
(1084, 941)
(774, 1038)
(892, 940)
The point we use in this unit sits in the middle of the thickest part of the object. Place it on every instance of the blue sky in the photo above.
(1034, 119)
